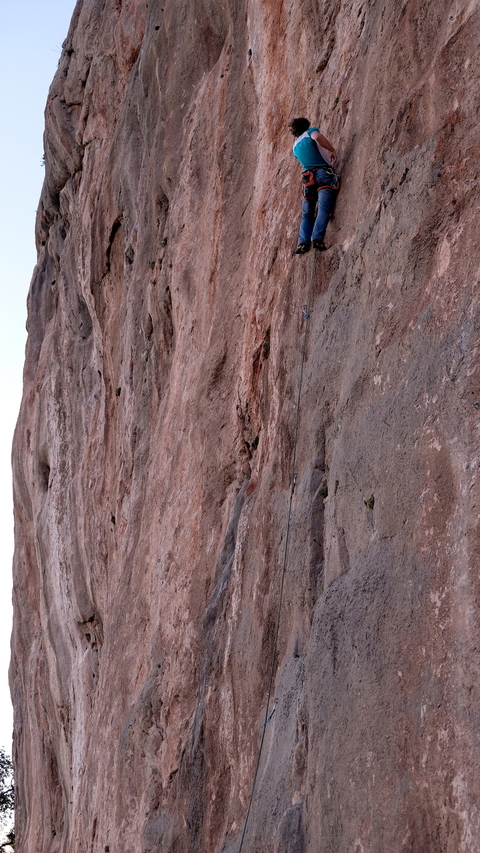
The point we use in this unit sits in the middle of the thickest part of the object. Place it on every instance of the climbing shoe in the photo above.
(302, 249)
(319, 245)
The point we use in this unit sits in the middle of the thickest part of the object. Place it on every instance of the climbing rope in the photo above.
(293, 480)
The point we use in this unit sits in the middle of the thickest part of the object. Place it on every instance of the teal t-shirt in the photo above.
(306, 150)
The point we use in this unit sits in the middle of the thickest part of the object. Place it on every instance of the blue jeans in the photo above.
(311, 227)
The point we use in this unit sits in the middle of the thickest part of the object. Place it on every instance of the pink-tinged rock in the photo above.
(154, 449)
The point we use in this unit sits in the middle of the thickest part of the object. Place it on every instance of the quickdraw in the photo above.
(310, 187)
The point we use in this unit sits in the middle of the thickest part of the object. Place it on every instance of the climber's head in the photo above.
(299, 125)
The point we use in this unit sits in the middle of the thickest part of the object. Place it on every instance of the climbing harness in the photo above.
(268, 717)
(330, 179)
(309, 187)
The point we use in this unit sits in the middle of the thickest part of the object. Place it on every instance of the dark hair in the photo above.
(299, 126)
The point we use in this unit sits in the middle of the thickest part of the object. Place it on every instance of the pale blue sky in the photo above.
(31, 37)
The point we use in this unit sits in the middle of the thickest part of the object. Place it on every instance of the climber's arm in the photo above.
(323, 142)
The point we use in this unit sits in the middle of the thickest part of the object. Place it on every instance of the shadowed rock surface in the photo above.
(153, 453)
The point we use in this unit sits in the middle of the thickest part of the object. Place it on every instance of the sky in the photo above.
(31, 39)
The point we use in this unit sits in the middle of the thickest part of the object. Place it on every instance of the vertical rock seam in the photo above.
(293, 479)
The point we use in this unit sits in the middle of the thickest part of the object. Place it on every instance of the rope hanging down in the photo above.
(293, 480)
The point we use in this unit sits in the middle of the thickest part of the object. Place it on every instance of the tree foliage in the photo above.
(7, 798)
(9, 844)
(7, 790)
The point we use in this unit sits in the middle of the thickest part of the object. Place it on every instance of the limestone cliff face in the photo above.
(153, 454)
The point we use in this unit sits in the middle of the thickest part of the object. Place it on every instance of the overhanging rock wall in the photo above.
(152, 458)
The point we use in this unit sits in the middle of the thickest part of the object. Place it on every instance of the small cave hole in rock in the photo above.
(44, 471)
(116, 225)
(149, 327)
(266, 344)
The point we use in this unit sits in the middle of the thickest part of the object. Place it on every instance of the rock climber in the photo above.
(320, 183)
